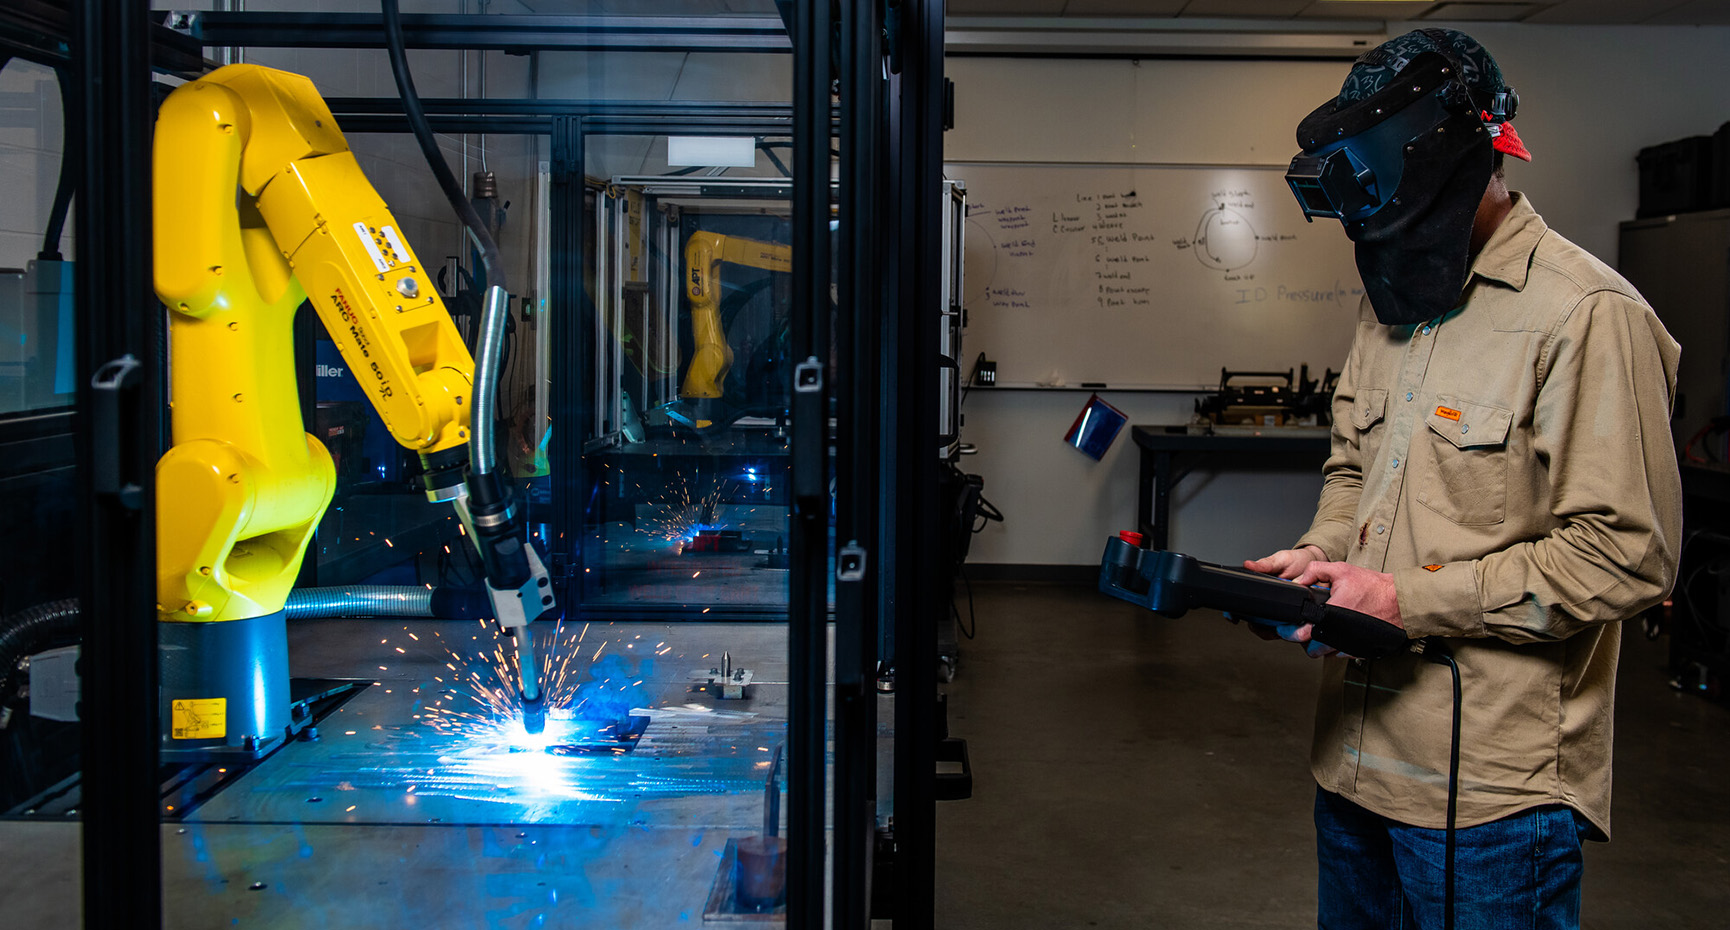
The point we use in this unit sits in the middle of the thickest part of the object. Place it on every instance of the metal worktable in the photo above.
(1240, 447)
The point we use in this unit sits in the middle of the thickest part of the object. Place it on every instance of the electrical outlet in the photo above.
(986, 376)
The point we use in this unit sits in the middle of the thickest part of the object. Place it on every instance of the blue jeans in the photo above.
(1522, 871)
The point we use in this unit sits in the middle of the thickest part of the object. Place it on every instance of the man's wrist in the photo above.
(1440, 600)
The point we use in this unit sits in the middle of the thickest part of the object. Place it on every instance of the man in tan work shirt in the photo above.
(1502, 485)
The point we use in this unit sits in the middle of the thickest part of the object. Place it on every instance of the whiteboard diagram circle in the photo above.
(1224, 239)
(981, 262)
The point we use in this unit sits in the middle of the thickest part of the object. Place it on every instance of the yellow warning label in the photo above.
(200, 718)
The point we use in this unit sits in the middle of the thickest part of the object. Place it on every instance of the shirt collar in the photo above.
(1508, 255)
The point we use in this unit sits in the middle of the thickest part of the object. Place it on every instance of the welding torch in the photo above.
(516, 580)
(517, 583)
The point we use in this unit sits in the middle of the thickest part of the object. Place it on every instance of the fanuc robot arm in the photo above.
(705, 252)
(259, 205)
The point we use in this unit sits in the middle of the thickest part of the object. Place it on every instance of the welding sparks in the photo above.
(681, 510)
(487, 710)
(471, 721)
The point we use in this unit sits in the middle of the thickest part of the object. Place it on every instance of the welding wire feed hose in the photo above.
(491, 342)
(423, 134)
(30, 630)
(487, 352)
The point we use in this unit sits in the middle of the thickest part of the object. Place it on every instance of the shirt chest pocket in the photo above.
(1367, 417)
(1460, 463)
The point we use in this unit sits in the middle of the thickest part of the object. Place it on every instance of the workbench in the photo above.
(1164, 448)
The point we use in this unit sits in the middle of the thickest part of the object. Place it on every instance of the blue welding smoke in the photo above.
(613, 688)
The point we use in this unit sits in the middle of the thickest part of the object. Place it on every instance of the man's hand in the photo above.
(1351, 587)
(1354, 588)
(1286, 563)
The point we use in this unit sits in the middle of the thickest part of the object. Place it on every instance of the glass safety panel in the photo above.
(371, 754)
(39, 615)
(36, 335)
(687, 464)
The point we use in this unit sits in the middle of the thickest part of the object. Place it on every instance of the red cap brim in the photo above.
(1508, 142)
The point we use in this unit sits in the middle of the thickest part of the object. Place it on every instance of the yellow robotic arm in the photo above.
(259, 202)
(705, 252)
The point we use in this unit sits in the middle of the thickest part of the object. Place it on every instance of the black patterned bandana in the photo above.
(1377, 67)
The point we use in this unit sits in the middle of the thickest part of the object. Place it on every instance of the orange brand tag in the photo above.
(1447, 413)
(1432, 568)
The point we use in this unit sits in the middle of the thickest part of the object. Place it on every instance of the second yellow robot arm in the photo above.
(705, 252)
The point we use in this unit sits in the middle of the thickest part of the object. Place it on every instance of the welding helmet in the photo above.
(1354, 159)
(1402, 157)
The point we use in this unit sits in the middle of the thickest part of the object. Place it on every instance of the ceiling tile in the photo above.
(1244, 7)
(1482, 12)
(1005, 7)
(1120, 7)
(1696, 13)
(1376, 9)
(1610, 12)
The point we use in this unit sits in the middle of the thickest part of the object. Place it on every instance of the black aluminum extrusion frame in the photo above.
(885, 344)
(808, 534)
(119, 325)
(916, 106)
(862, 418)
(530, 33)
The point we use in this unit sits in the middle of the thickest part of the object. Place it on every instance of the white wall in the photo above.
(1591, 97)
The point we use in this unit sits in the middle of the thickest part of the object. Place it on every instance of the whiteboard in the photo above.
(1149, 275)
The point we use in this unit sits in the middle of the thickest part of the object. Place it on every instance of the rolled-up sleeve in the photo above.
(1601, 430)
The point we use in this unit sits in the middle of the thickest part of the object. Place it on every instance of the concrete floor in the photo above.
(1134, 771)
(1130, 771)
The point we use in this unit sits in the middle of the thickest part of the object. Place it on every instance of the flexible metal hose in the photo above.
(487, 353)
(24, 633)
(360, 601)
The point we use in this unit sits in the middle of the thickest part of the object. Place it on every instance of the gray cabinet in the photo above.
(1681, 264)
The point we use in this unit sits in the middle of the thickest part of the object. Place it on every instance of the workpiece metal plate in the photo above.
(396, 754)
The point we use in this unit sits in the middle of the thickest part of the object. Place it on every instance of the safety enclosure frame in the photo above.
(866, 74)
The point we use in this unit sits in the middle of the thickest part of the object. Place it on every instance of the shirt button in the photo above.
(1426, 330)
(1396, 463)
(1464, 427)
(1408, 395)
(1380, 529)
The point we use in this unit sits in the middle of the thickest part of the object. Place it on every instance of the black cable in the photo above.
(31, 630)
(71, 159)
(972, 617)
(435, 159)
(1437, 651)
(987, 515)
(968, 384)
